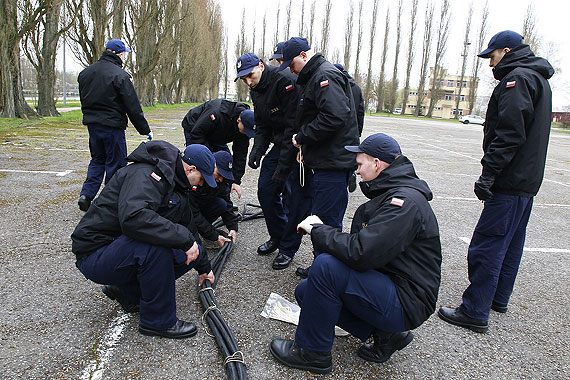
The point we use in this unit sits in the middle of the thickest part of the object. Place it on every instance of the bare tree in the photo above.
(13, 26)
(326, 27)
(368, 88)
(276, 37)
(263, 34)
(358, 44)
(253, 37)
(438, 70)
(40, 47)
(226, 63)
(382, 80)
(312, 22)
(464, 55)
(410, 57)
(428, 26)
(348, 35)
(118, 18)
(529, 33)
(288, 20)
(481, 37)
(241, 47)
(394, 85)
(302, 20)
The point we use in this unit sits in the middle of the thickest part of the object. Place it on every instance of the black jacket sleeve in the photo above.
(132, 105)
(138, 202)
(388, 233)
(515, 110)
(333, 106)
(239, 151)
(203, 127)
(288, 153)
(205, 228)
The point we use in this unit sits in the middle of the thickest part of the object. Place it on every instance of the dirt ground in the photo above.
(54, 324)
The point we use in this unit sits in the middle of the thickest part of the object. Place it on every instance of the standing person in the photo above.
(218, 122)
(138, 236)
(107, 97)
(381, 279)
(516, 132)
(274, 97)
(326, 120)
(359, 102)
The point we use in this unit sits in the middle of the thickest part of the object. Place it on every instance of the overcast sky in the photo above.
(552, 20)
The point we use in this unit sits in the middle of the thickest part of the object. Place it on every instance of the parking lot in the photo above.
(57, 325)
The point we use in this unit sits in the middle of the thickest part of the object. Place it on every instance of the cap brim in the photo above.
(485, 53)
(226, 174)
(243, 72)
(127, 50)
(285, 64)
(210, 180)
(353, 148)
(276, 56)
(249, 132)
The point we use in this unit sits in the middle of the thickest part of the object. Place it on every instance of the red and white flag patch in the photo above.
(212, 117)
(289, 87)
(155, 176)
(397, 202)
(511, 83)
(325, 83)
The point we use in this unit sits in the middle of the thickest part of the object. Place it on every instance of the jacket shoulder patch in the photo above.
(289, 87)
(397, 202)
(511, 84)
(212, 117)
(155, 176)
(324, 83)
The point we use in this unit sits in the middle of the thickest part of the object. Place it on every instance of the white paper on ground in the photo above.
(283, 310)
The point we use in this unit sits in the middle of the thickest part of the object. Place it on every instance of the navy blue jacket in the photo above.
(107, 95)
(147, 200)
(395, 233)
(517, 124)
(326, 116)
(214, 123)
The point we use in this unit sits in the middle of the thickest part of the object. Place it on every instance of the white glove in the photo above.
(307, 224)
(150, 136)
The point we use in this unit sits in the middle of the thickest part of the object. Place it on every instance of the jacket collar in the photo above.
(310, 67)
(265, 79)
(111, 57)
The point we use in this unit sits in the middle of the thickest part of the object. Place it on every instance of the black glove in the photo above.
(254, 159)
(280, 176)
(483, 186)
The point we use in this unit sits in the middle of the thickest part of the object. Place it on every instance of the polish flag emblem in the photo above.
(325, 83)
(511, 84)
(289, 87)
(155, 176)
(212, 117)
(397, 202)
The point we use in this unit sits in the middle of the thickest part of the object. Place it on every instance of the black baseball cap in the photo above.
(224, 163)
(501, 40)
(292, 48)
(245, 64)
(201, 157)
(278, 51)
(378, 145)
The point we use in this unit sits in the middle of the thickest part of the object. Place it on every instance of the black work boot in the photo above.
(268, 247)
(289, 353)
(385, 344)
(84, 203)
(115, 294)
(303, 272)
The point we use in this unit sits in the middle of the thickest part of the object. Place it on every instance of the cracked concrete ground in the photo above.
(54, 324)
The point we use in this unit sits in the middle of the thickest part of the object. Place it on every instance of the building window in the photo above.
(438, 108)
(460, 112)
(449, 83)
(462, 98)
(464, 83)
(447, 97)
(458, 84)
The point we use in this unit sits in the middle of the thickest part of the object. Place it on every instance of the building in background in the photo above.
(451, 86)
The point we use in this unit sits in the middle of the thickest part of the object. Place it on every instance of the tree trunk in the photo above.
(12, 101)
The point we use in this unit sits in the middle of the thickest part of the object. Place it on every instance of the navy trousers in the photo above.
(334, 294)
(299, 202)
(144, 273)
(495, 253)
(271, 194)
(108, 148)
(213, 209)
(330, 195)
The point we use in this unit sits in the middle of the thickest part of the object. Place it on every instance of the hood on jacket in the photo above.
(233, 109)
(111, 57)
(161, 154)
(400, 173)
(522, 56)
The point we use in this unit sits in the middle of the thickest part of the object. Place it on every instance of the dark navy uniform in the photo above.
(326, 120)
(214, 124)
(107, 97)
(274, 100)
(516, 132)
(136, 233)
(384, 274)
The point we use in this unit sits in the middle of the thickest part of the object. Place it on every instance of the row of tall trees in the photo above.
(176, 44)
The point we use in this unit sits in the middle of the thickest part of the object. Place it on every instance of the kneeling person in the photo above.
(137, 239)
(390, 260)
